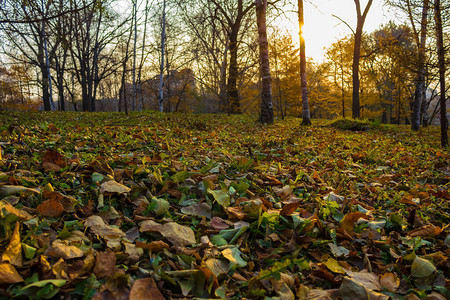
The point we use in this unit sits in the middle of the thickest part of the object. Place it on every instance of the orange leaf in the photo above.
(50, 208)
(289, 208)
(155, 246)
(348, 222)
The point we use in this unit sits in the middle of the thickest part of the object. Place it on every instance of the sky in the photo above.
(322, 29)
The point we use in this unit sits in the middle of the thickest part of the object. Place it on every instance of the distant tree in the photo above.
(266, 116)
(361, 18)
(305, 105)
(339, 55)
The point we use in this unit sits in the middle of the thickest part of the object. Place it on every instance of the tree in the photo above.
(94, 42)
(161, 71)
(305, 104)
(361, 18)
(441, 63)
(419, 95)
(27, 42)
(266, 116)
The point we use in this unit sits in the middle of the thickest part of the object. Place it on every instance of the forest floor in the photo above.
(174, 206)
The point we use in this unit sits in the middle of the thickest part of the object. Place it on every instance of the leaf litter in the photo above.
(108, 206)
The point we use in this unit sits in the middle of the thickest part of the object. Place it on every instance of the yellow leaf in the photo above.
(13, 253)
(8, 274)
(334, 266)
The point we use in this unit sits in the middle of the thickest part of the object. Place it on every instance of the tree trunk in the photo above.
(441, 63)
(305, 105)
(232, 90)
(420, 84)
(266, 116)
(357, 56)
(161, 70)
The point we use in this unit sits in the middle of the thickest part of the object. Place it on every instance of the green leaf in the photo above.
(221, 197)
(234, 256)
(160, 206)
(180, 176)
(218, 240)
(422, 268)
(28, 251)
(97, 177)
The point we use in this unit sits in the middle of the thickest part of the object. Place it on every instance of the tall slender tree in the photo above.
(361, 18)
(305, 105)
(266, 116)
(161, 73)
(441, 63)
(419, 95)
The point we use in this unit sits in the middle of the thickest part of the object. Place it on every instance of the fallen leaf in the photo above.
(8, 274)
(7, 190)
(221, 197)
(368, 280)
(114, 187)
(217, 266)
(145, 288)
(59, 249)
(422, 267)
(154, 246)
(105, 264)
(334, 266)
(99, 227)
(178, 235)
(50, 208)
(425, 231)
(234, 256)
(289, 208)
(389, 281)
(198, 209)
(219, 223)
(351, 289)
(13, 252)
(349, 220)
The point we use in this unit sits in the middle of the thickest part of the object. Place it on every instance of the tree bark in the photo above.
(305, 105)
(232, 90)
(361, 17)
(441, 63)
(266, 116)
(420, 83)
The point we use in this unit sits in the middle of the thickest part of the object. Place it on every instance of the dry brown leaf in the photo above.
(59, 249)
(389, 281)
(114, 187)
(425, 231)
(289, 208)
(155, 246)
(349, 220)
(178, 235)
(50, 208)
(99, 227)
(145, 288)
(105, 264)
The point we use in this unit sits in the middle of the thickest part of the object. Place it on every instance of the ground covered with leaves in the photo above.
(170, 206)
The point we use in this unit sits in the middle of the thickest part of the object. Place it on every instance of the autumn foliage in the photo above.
(175, 206)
